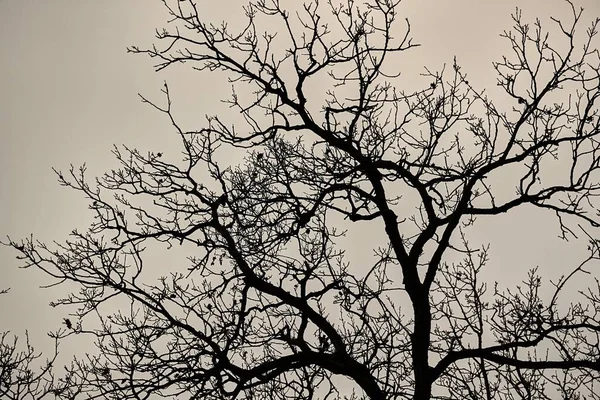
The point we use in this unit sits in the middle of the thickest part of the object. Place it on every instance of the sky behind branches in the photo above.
(68, 91)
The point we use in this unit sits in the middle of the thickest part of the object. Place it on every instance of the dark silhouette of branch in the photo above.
(267, 305)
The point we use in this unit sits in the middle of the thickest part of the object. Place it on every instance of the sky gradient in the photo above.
(68, 92)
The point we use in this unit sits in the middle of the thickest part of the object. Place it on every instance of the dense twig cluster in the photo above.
(22, 377)
(269, 306)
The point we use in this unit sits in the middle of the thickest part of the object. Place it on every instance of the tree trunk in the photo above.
(420, 347)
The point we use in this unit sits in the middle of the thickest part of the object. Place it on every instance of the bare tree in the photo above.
(21, 375)
(268, 306)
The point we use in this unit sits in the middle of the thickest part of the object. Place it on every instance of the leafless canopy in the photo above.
(21, 375)
(268, 305)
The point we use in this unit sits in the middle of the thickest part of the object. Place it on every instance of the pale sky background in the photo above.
(68, 91)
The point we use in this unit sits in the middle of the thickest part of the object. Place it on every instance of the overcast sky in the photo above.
(68, 91)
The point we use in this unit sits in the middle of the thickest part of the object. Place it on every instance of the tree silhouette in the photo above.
(21, 378)
(268, 306)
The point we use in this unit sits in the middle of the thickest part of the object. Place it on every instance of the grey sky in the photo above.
(68, 91)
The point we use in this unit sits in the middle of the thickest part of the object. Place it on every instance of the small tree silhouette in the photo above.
(21, 378)
(268, 306)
